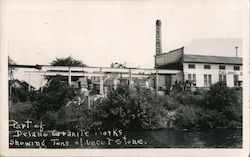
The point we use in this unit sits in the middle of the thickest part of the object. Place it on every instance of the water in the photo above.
(163, 138)
(213, 138)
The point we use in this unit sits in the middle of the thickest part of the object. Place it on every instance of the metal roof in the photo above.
(211, 59)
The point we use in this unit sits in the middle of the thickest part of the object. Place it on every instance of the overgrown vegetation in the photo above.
(137, 108)
(222, 107)
(131, 109)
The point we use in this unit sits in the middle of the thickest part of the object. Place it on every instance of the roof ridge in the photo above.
(214, 56)
(212, 59)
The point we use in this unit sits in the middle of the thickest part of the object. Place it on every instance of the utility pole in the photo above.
(236, 50)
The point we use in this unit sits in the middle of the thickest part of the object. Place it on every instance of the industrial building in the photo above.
(201, 70)
(99, 79)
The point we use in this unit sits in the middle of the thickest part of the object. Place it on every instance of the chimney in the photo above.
(158, 37)
(236, 50)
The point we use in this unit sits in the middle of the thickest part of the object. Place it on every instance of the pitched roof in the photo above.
(211, 59)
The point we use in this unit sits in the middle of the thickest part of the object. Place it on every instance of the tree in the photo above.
(68, 61)
(219, 97)
(55, 94)
(130, 109)
(222, 107)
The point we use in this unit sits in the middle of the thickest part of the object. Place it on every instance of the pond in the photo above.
(162, 138)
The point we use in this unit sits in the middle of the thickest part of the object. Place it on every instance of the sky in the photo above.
(100, 32)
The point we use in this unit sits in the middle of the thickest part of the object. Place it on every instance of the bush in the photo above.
(22, 112)
(187, 116)
(19, 94)
(212, 119)
(222, 107)
(187, 98)
(219, 97)
(54, 96)
(76, 116)
(131, 109)
(168, 102)
(50, 118)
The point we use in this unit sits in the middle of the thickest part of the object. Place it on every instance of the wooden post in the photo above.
(156, 82)
(101, 82)
(69, 77)
(130, 79)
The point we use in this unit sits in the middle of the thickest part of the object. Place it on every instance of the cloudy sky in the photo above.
(103, 31)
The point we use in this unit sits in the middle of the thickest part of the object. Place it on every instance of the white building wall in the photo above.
(214, 71)
(230, 78)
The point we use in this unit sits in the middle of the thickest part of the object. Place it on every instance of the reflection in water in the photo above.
(168, 138)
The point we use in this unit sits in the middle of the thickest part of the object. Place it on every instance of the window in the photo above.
(236, 67)
(192, 78)
(220, 78)
(222, 67)
(207, 66)
(191, 66)
(207, 80)
(223, 78)
(236, 79)
(189, 77)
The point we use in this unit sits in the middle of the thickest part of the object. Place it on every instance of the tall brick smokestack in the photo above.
(158, 37)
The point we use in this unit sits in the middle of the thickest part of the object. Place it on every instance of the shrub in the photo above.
(212, 119)
(76, 116)
(186, 98)
(54, 95)
(19, 94)
(168, 102)
(131, 109)
(187, 116)
(22, 112)
(50, 118)
(222, 107)
(219, 97)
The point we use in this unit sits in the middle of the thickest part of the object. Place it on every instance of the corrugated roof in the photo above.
(211, 59)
